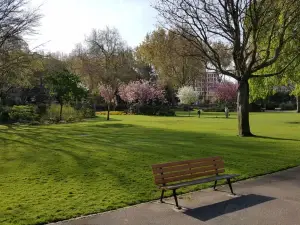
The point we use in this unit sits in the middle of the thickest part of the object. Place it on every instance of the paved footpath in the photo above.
(268, 200)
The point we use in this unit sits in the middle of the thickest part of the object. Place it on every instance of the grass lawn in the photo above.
(50, 173)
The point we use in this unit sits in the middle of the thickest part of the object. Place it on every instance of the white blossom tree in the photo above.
(187, 95)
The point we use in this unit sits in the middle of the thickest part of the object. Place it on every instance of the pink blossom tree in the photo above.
(226, 92)
(140, 92)
(107, 92)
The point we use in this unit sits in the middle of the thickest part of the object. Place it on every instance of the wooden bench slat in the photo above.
(211, 159)
(188, 170)
(187, 177)
(183, 166)
(174, 175)
(199, 181)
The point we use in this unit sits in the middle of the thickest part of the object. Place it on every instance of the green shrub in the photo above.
(52, 114)
(23, 113)
(69, 114)
(288, 106)
(153, 109)
(88, 112)
(4, 114)
(253, 107)
(214, 109)
(166, 112)
(87, 109)
(220, 107)
(42, 109)
(146, 109)
(187, 108)
(271, 106)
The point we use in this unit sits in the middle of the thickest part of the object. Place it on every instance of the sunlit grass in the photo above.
(50, 173)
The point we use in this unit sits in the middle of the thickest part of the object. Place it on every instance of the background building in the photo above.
(206, 85)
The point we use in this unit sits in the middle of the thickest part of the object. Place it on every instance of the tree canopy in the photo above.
(172, 57)
(16, 21)
(66, 87)
(242, 26)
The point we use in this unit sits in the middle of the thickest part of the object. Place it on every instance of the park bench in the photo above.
(174, 175)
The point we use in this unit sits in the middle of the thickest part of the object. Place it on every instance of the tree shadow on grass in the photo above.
(115, 125)
(221, 117)
(103, 119)
(119, 160)
(130, 146)
(185, 116)
(294, 122)
(209, 116)
(275, 138)
(209, 212)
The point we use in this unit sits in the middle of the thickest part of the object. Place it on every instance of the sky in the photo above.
(66, 22)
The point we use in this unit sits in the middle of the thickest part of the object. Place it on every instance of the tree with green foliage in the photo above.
(290, 78)
(296, 92)
(242, 26)
(66, 87)
(263, 88)
(172, 58)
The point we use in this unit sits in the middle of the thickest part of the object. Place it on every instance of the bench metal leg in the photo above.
(175, 197)
(215, 185)
(230, 186)
(162, 196)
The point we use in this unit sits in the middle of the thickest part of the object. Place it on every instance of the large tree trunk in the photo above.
(298, 104)
(108, 111)
(243, 109)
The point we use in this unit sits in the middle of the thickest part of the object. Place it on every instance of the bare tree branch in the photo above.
(16, 21)
(256, 30)
(278, 72)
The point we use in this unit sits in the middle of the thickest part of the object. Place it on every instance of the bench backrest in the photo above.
(187, 170)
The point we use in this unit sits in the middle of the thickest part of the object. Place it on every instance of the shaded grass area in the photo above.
(50, 173)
